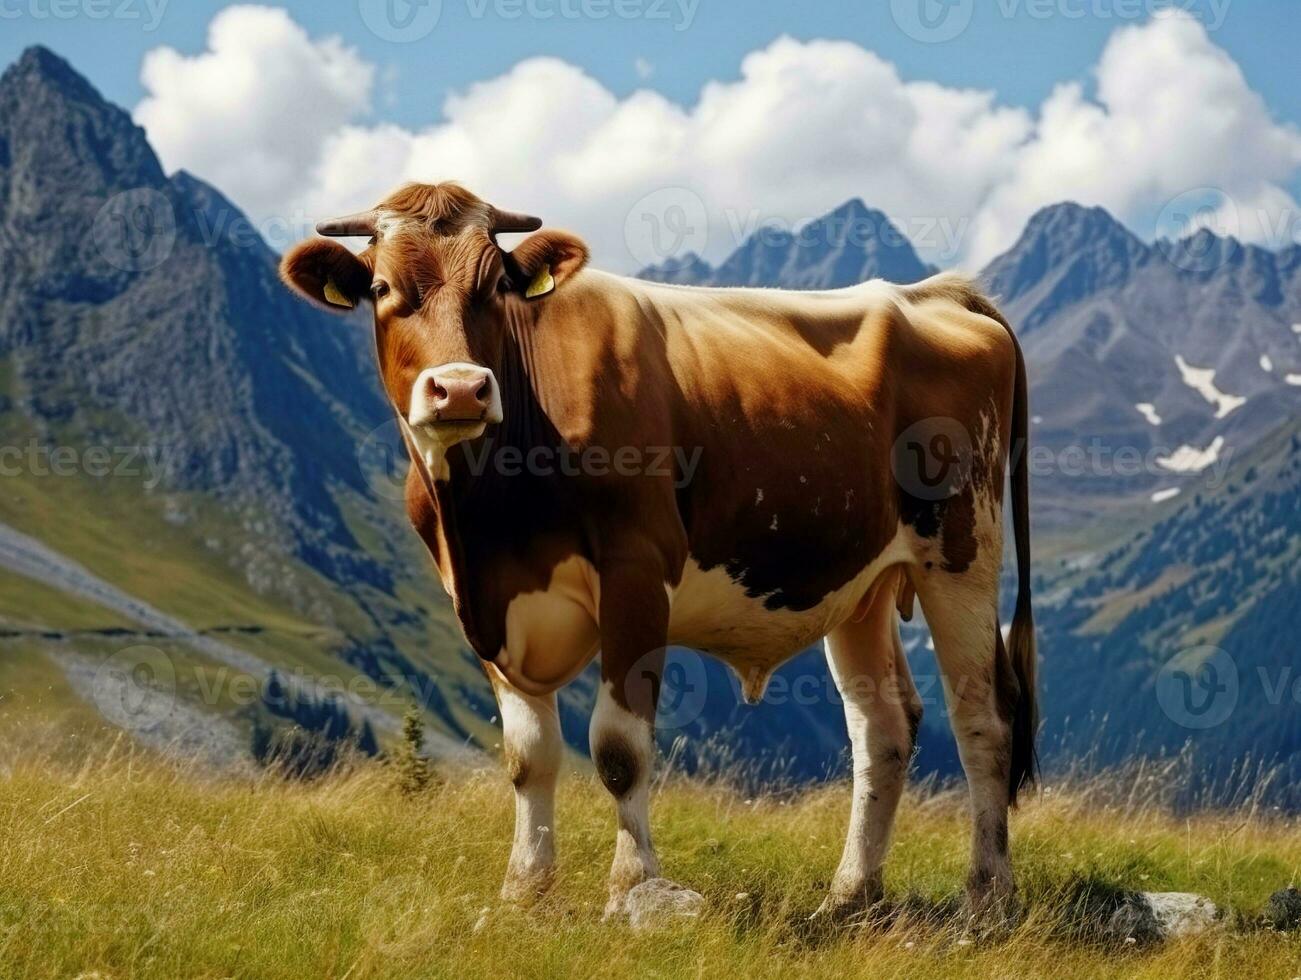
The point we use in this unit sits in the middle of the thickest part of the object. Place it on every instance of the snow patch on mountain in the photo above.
(1190, 459)
(1165, 494)
(1265, 363)
(1148, 411)
(1293, 379)
(1202, 381)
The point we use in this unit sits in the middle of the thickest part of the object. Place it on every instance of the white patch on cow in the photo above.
(1293, 379)
(1148, 411)
(552, 633)
(432, 443)
(1162, 495)
(531, 732)
(1202, 381)
(1265, 363)
(712, 612)
(1190, 459)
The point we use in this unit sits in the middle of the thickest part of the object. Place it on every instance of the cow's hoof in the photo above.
(615, 908)
(852, 909)
(991, 914)
(527, 887)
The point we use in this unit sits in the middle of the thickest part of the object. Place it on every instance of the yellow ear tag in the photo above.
(542, 283)
(335, 296)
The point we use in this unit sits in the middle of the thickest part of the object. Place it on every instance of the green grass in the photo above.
(131, 867)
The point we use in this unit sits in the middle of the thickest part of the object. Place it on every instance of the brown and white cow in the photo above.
(849, 450)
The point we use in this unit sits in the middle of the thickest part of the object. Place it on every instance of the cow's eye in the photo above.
(379, 290)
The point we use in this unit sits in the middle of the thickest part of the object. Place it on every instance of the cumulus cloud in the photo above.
(253, 112)
(1173, 116)
(279, 121)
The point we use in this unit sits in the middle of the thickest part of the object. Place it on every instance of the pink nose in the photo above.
(461, 395)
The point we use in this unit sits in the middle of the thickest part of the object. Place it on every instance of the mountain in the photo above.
(1180, 354)
(198, 449)
(851, 244)
(202, 483)
(1177, 636)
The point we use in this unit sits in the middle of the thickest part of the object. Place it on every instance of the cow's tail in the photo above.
(1021, 640)
(1019, 689)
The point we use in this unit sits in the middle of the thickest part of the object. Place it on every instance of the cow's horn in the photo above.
(512, 221)
(362, 224)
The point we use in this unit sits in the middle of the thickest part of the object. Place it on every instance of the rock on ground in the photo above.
(1156, 916)
(658, 902)
(1283, 910)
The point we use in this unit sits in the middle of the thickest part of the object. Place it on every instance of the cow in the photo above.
(834, 454)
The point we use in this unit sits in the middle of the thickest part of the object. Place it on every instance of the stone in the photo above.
(1149, 917)
(658, 902)
(1283, 910)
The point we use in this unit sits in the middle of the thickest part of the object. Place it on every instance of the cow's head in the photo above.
(445, 298)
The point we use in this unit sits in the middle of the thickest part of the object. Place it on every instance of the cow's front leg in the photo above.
(634, 626)
(533, 746)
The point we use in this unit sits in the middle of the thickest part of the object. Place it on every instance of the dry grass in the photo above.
(126, 866)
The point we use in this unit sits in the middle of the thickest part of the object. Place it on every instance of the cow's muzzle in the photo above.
(453, 394)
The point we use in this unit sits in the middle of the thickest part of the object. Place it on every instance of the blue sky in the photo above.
(1020, 56)
(1019, 50)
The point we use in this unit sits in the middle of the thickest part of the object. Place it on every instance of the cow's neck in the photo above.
(488, 485)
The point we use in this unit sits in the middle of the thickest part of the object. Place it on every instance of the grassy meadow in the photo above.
(127, 866)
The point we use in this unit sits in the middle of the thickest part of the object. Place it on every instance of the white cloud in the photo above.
(278, 120)
(1173, 114)
(253, 113)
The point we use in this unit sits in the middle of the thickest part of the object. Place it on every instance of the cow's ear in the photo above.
(545, 260)
(327, 274)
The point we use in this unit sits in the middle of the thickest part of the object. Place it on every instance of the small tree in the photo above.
(413, 768)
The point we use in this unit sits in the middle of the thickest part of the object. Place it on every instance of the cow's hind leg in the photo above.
(961, 609)
(533, 747)
(882, 712)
